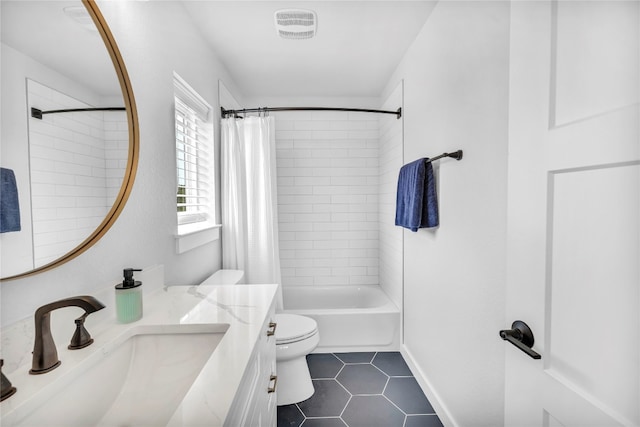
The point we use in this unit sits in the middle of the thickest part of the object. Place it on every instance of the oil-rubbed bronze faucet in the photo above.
(45, 355)
(7, 389)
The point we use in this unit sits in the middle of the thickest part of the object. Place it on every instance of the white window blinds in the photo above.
(194, 157)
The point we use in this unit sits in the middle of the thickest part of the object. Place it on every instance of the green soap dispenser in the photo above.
(129, 298)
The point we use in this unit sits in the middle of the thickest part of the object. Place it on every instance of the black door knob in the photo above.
(521, 336)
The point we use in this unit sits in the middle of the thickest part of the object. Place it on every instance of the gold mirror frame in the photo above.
(132, 161)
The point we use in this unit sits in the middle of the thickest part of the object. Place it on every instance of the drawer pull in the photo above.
(273, 378)
(272, 329)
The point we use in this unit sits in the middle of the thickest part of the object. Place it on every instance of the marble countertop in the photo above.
(243, 307)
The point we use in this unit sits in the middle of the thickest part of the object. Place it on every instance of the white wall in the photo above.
(389, 235)
(143, 235)
(456, 97)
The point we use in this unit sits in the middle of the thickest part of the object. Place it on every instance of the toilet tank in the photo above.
(224, 277)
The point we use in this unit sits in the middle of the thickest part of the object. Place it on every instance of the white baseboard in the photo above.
(435, 400)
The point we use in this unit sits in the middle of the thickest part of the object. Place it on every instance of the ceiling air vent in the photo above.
(81, 16)
(296, 24)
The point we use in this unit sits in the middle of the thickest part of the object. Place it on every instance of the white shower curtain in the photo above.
(249, 199)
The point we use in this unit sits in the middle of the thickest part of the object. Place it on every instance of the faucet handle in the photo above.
(7, 389)
(81, 338)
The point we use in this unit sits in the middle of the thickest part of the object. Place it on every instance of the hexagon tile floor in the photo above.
(360, 390)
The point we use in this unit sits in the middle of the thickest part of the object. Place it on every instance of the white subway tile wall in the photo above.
(69, 172)
(328, 178)
(116, 146)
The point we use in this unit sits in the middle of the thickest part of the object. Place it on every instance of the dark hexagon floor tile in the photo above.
(362, 379)
(360, 357)
(289, 416)
(324, 422)
(328, 400)
(423, 421)
(392, 363)
(323, 365)
(408, 396)
(372, 411)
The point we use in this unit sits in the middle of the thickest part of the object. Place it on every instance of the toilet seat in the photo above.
(293, 328)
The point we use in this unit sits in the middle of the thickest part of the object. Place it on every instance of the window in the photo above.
(194, 159)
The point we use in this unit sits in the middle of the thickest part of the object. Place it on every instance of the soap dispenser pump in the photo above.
(129, 298)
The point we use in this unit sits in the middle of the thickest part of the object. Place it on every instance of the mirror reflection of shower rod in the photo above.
(234, 113)
(37, 113)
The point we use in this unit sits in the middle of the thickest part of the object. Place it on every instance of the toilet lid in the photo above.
(292, 327)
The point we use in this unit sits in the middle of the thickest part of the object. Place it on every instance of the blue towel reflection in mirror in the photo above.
(9, 206)
(417, 200)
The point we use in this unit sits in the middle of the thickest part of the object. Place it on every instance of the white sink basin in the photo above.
(138, 379)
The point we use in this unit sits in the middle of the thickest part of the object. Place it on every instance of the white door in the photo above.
(574, 209)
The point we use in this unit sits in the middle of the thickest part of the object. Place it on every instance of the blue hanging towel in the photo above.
(9, 207)
(416, 200)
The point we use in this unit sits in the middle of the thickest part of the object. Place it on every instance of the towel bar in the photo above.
(455, 155)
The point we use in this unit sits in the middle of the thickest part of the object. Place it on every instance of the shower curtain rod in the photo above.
(225, 112)
(37, 113)
(456, 155)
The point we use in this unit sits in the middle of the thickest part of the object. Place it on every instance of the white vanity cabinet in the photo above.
(254, 404)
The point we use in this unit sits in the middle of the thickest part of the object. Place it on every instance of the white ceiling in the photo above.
(42, 31)
(356, 49)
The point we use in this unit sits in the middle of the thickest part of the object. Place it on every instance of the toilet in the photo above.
(296, 336)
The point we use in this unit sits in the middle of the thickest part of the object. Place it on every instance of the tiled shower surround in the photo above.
(329, 206)
(77, 164)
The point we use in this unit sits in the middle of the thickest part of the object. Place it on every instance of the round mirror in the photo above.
(69, 147)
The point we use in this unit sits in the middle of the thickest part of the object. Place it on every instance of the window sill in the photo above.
(191, 236)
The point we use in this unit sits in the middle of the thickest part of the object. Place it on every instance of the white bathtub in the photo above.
(350, 318)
